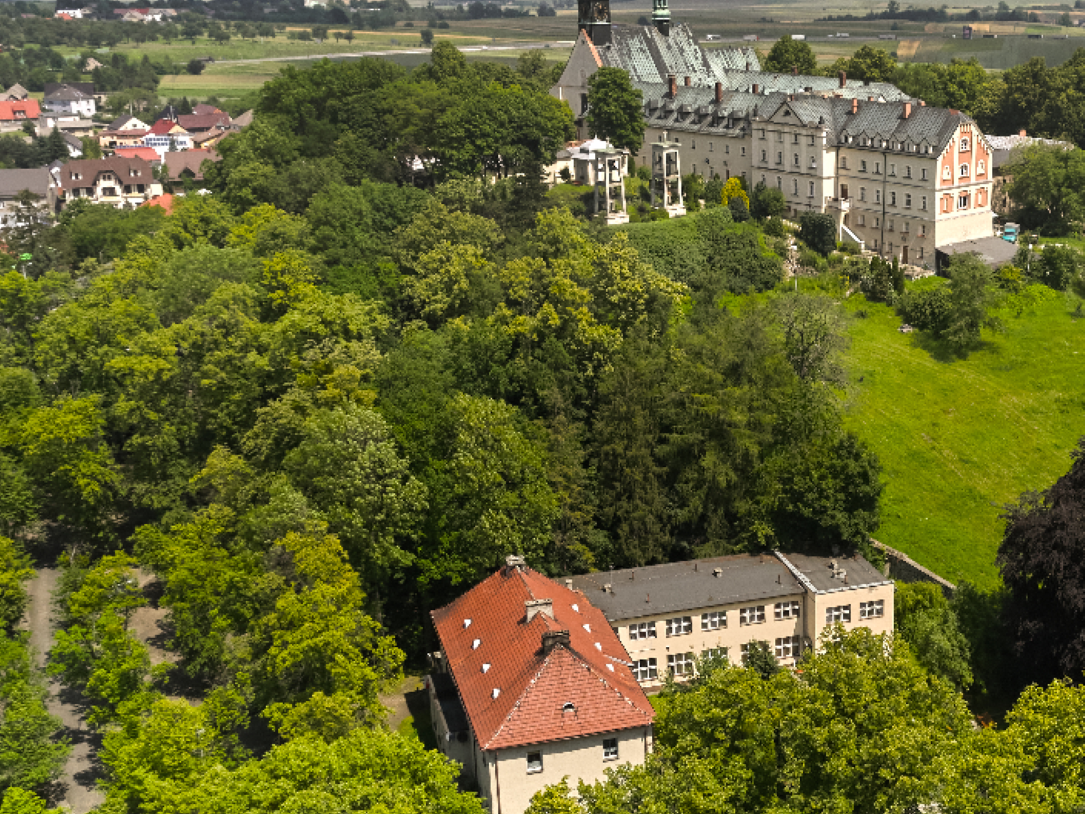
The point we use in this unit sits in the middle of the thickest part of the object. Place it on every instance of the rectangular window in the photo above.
(746, 650)
(889, 225)
(764, 156)
(892, 199)
(610, 748)
(862, 193)
(811, 141)
(693, 144)
(872, 610)
(907, 201)
(811, 189)
(877, 196)
(680, 664)
(920, 252)
(962, 202)
(838, 613)
(862, 220)
(727, 149)
(907, 170)
(877, 168)
(788, 647)
(779, 158)
(796, 159)
(795, 138)
(710, 147)
(713, 620)
(862, 166)
(843, 162)
(787, 610)
(645, 630)
(893, 169)
(923, 174)
(753, 615)
(877, 222)
(679, 626)
(715, 653)
(534, 762)
(762, 132)
(904, 226)
(744, 151)
(645, 670)
(923, 203)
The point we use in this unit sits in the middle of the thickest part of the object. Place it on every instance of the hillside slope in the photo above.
(960, 438)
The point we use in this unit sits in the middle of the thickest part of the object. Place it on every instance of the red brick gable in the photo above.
(499, 650)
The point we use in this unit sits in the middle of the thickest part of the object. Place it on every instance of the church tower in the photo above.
(594, 20)
(661, 16)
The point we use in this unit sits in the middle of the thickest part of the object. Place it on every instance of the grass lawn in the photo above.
(959, 438)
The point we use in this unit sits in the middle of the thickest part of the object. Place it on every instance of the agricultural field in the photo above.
(961, 438)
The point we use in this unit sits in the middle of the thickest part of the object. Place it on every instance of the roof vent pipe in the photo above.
(672, 82)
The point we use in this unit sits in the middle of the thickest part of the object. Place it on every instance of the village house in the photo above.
(167, 136)
(119, 181)
(16, 93)
(531, 685)
(126, 131)
(39, 182)
(898, 177)
(187, 167)
(69, 102)
(669, 616)
(14, 115)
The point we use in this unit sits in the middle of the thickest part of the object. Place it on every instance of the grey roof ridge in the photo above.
(795, 572)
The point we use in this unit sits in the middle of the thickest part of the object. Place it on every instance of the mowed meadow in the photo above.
(961, 438)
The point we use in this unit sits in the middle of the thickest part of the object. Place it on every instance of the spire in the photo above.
(661, 17)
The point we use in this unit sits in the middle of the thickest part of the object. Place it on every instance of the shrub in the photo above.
(927, 310)
(818, 231)
(774, 227)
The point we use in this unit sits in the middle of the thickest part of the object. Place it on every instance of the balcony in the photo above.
(840, 204)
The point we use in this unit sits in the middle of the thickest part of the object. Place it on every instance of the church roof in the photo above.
(649, 56)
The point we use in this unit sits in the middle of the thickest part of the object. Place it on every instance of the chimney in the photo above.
(843, 79)
(907, 110)
(513, 561)
(794, 70)
(719, 92)
(688, 82)
(1023, 134)
(554, 638)
(854, 106)
(756, 88)
(871, 99)
(922, 103)
(536, 606)
(672, 81)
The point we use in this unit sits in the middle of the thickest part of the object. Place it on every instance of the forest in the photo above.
(324, 400)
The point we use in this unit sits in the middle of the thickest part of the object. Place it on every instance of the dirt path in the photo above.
(77, 790)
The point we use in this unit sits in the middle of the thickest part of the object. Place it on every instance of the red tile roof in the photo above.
(28, 107)
(165, 201)
(146, 153)
(592, 673)
(163, 126)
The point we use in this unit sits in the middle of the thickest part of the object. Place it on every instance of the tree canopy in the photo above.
(615, 109)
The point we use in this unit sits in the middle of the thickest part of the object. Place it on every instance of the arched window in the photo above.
(964, 170)
(946, 174)
(980, 167)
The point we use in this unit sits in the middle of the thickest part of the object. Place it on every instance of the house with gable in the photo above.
(167, 136)
(531, 685)
(119, 181)
(70, 102)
